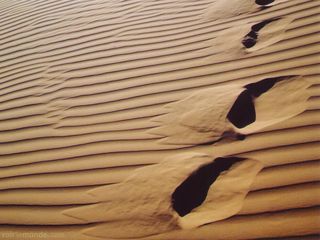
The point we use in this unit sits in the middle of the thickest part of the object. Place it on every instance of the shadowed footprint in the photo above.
(268, 3)
(243, 110)
(266, 33)
(222, 9)
(251, 38)
(272, 103)
(264, 2)
(232, 111)
(151, 200)
(193, 191)
(258, 88)
(247, 38)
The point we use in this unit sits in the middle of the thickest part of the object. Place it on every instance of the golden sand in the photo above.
(107, 106)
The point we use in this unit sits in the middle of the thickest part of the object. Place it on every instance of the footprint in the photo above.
(222, 9)
(192, 192)
(232, 111)
(269, 3)
(203, 196)
(264, 2)
(266, 33)
(243, 110)
(272, 102)
(149, 201)
(246, 38)
(251, 38)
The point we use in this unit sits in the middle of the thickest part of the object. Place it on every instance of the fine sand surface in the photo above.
(159, 119)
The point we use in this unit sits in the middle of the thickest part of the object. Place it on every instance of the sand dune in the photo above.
(111, 112)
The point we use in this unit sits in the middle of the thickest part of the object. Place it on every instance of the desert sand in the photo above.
(159, 120)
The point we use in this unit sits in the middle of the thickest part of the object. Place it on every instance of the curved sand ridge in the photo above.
(92, 93)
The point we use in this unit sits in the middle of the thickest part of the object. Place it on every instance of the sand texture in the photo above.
(159, 119)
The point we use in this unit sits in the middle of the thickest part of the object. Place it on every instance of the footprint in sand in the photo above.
(183, 191)
(247, 38)
(222, 9)
(269, 3)
(251, 38)
(211, 114)
(265, 33)
(264, 2)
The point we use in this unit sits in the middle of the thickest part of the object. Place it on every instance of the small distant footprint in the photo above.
(269, 3)
(222, 9)
(265, 33)
(264, 2)
(247, 38)
(251, 38)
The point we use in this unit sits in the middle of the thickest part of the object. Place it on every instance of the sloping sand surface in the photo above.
(158, 119)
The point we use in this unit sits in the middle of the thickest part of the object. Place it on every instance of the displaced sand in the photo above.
(110, 109)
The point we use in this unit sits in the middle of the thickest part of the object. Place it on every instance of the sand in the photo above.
(108, 107)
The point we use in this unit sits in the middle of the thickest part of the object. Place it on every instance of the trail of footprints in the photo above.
(197, 188)
(204, 117)
(192, 120)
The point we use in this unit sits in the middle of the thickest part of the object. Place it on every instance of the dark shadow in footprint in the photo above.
(264, 2)
(192, 192)
(242, 113)
(258, 88)
(251, 38)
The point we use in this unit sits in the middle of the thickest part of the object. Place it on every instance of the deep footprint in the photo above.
(193, 191)
(243, 110)
(258, 88)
